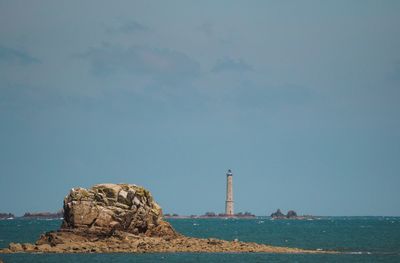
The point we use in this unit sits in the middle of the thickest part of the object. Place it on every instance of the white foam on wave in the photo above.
(360, 253)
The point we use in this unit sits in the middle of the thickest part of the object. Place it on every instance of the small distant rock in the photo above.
(291, 214)
(6, 216)
(278, 215)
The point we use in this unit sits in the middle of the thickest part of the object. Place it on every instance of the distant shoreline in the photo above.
(36, 215)
(57, 217)
(210, 217)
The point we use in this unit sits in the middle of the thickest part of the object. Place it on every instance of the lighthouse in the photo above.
(229, 194)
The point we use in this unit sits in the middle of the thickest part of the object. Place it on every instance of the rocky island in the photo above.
(6, 216)
(109, 218)
(291, 214)
(208, 215)
(43, 215)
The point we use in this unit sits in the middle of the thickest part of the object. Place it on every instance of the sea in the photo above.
(360, 239)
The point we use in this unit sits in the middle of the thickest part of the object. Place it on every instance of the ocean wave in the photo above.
(360, 253)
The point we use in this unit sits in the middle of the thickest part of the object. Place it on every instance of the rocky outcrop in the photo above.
(106, 208)
(291, 214)
(122, 242)
(278, 215)
(110, 218)
(6, 216)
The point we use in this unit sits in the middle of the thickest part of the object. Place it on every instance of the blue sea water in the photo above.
(362, 239)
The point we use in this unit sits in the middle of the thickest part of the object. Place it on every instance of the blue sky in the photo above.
(299, 98)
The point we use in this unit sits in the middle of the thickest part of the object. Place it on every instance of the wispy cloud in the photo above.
(16, 56)
(230, 64)
(206, 28)
(139, 60)
(127, 27)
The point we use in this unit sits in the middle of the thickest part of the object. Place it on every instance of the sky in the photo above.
(299, 98)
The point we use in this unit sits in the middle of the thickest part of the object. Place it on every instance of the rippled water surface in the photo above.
(363, 239)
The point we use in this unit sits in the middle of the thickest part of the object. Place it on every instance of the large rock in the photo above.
(105, 208)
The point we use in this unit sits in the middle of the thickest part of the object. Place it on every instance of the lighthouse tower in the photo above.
(229, 194)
